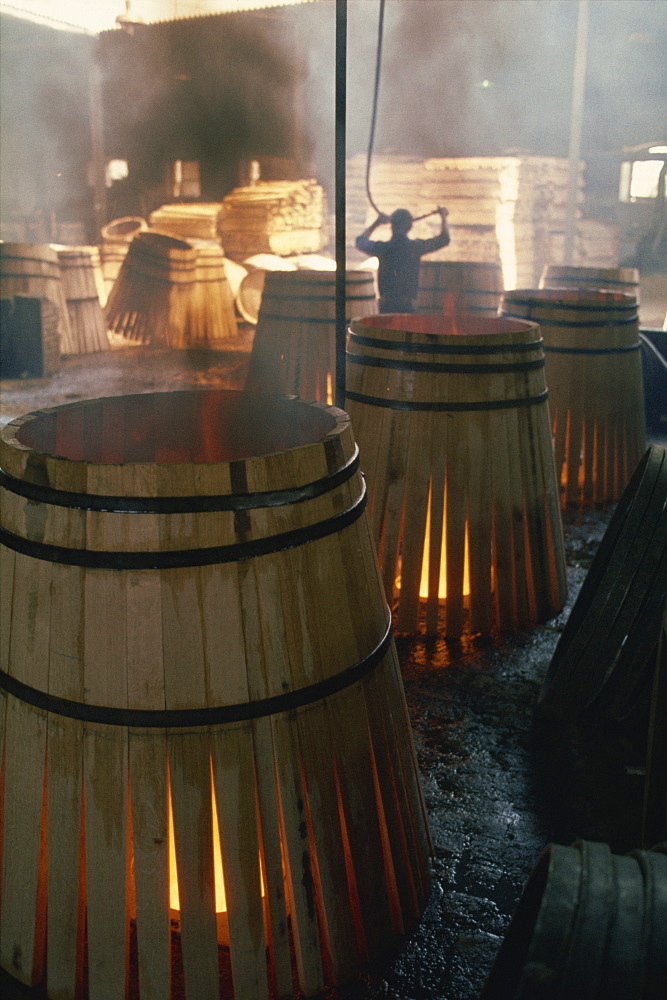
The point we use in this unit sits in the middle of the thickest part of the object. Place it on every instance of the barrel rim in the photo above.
(12, 449)
(474, 329)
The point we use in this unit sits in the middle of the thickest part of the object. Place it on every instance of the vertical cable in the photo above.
(341, 99)
(576, 116)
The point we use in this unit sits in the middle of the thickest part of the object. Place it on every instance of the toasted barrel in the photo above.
(596, 395)
(191, 597)
(452, 423)
(294, 350)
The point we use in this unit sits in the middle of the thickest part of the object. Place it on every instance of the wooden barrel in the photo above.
(604, 656)
(452, 423)
(87, 322)
(459, 287)
(609, 279)
(116, 238)
(596, 396)
(33, 269)
(589, 923)
(151, 300)
(257, 266)
(294, 349)
(193, 612)
(212, 308)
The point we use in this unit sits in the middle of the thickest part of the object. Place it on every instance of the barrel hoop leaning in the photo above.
(425, 348)
(426, 366)
(178, 559)
(500, 404)
(211, 716)
(180, 505)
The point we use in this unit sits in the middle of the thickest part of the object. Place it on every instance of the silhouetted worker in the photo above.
(398, 270)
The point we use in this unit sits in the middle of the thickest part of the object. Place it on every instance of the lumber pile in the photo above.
(502, 209)
(194, 221)
(278, 217)
(518, 199)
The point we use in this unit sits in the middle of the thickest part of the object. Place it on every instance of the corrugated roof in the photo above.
(84, 16)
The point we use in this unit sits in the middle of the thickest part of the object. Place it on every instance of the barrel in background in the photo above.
(594, 376)
(294, 349)
(459, 287)
(151, 300)
(116, 238)
(609, 279)
(33, 269)
(80, 281)
(212, 316)
(452, 423)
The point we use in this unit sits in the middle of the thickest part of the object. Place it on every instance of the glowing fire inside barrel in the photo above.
(451, 417)
(197, 652)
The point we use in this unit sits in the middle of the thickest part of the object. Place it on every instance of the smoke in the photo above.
(481, 77)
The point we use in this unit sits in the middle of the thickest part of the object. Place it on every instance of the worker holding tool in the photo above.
(398, 270)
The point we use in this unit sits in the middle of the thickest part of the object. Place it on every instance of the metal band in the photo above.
(180, 558)
(408, 347)
(425, 366)
(180, 505)
(500, 404)
(297, 319)
(547, 321)
(196, 717)
(593, 350)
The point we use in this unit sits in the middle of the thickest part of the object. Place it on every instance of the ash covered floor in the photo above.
(499, 783)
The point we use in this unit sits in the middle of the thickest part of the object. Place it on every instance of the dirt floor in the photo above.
(499, 783)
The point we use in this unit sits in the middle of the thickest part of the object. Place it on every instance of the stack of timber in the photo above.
(518, 201)
(502, 209)
(81, 271)
(194, 220)
(278, 217)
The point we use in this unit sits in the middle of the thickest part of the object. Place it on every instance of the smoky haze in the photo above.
(458, 78)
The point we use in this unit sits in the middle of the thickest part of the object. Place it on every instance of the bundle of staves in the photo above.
(195, 220)
(279, 217)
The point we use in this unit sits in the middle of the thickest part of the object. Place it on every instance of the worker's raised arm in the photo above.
(363, 241)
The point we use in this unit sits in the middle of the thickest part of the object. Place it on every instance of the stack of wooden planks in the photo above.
(194, 220)
(279, 217)
(502, 209)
